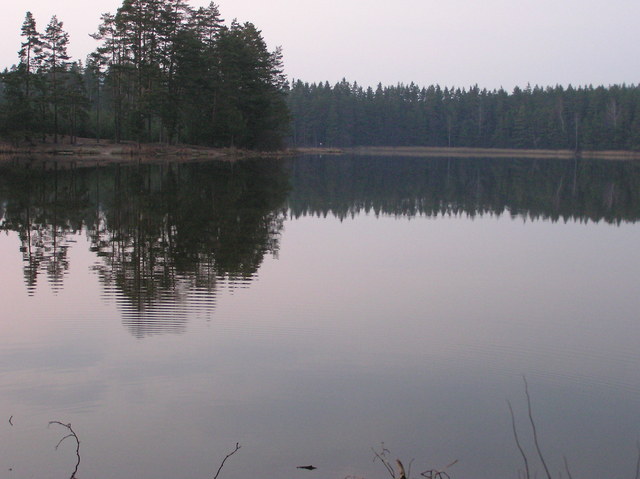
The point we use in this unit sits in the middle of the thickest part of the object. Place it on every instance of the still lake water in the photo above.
(311, 309)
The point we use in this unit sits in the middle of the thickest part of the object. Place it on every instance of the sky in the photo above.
(489, 43)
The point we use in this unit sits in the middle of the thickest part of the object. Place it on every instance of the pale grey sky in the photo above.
(491, 43)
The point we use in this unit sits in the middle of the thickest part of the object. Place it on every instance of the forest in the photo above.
(165, 72)
(347, 114)
(162, 72)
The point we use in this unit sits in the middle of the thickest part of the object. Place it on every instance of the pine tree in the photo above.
(54, 63)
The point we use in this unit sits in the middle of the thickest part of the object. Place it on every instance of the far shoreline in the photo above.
(88, 152)
(465, 152)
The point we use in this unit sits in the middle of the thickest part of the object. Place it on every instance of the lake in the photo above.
(312, 309)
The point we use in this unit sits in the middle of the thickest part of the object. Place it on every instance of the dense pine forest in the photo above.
(162, 72)
(166, 72)
(584, 118)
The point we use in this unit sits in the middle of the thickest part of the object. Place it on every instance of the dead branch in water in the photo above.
(438, 473)
(406, 474)
(566, 467)
(72, 434)
(537, 444)
(515, 435)
(533, 427)
(225, 458)
(382, 456)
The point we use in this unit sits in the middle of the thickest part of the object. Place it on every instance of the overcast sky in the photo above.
(491, 43)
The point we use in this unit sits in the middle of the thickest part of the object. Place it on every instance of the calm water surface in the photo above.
(311, 309)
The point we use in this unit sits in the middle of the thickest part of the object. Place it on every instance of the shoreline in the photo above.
(89, 152)
(466, 152)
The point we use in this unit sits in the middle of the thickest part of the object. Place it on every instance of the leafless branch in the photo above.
(72, 434)
(515, 435)
(566, 467)
(438, 473)
(533, 427)
(401, 472)
(383, 459)
(225, 458)
(409, 467)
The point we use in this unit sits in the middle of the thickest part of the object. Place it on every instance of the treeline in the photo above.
(163, 71)
(584, 118)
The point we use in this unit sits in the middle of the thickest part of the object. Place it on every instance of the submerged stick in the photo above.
(72, 434)
(566, 466)
(638, 462)
(515, 435)
(533, 427)
(225, 458)
(383, 460)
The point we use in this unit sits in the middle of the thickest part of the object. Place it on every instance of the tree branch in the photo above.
(515, 435)
(72, 434)
(533, 427)
(225, 458)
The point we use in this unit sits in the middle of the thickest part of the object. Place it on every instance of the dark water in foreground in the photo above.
(311, 309)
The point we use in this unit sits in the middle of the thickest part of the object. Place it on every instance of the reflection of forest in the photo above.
(166, 235)
(552, 190)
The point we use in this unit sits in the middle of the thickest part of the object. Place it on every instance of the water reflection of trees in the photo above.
(552, 190)
(166, 235)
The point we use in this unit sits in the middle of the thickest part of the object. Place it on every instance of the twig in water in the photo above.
(533, 427)
(10, 420)
(638, 463)
(383, 459)
(402, 474)
(438, 474)
(72, 434)
(515, 435)
(566, 467)
(225, 458)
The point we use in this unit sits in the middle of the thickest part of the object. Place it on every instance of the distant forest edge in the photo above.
(553, 118)
(166, 72)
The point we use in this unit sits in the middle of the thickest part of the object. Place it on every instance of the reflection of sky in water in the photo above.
(412, 332)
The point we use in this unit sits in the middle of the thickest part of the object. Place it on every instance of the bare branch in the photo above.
(383, 459)
(566, 467)
(409, 467)
(438, 473)
(72, 434)
(533, 427)
(61, 440)
(225, 458)
(401, 472)
(515, 435)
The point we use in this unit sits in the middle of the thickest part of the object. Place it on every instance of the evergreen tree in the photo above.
(54, 64)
